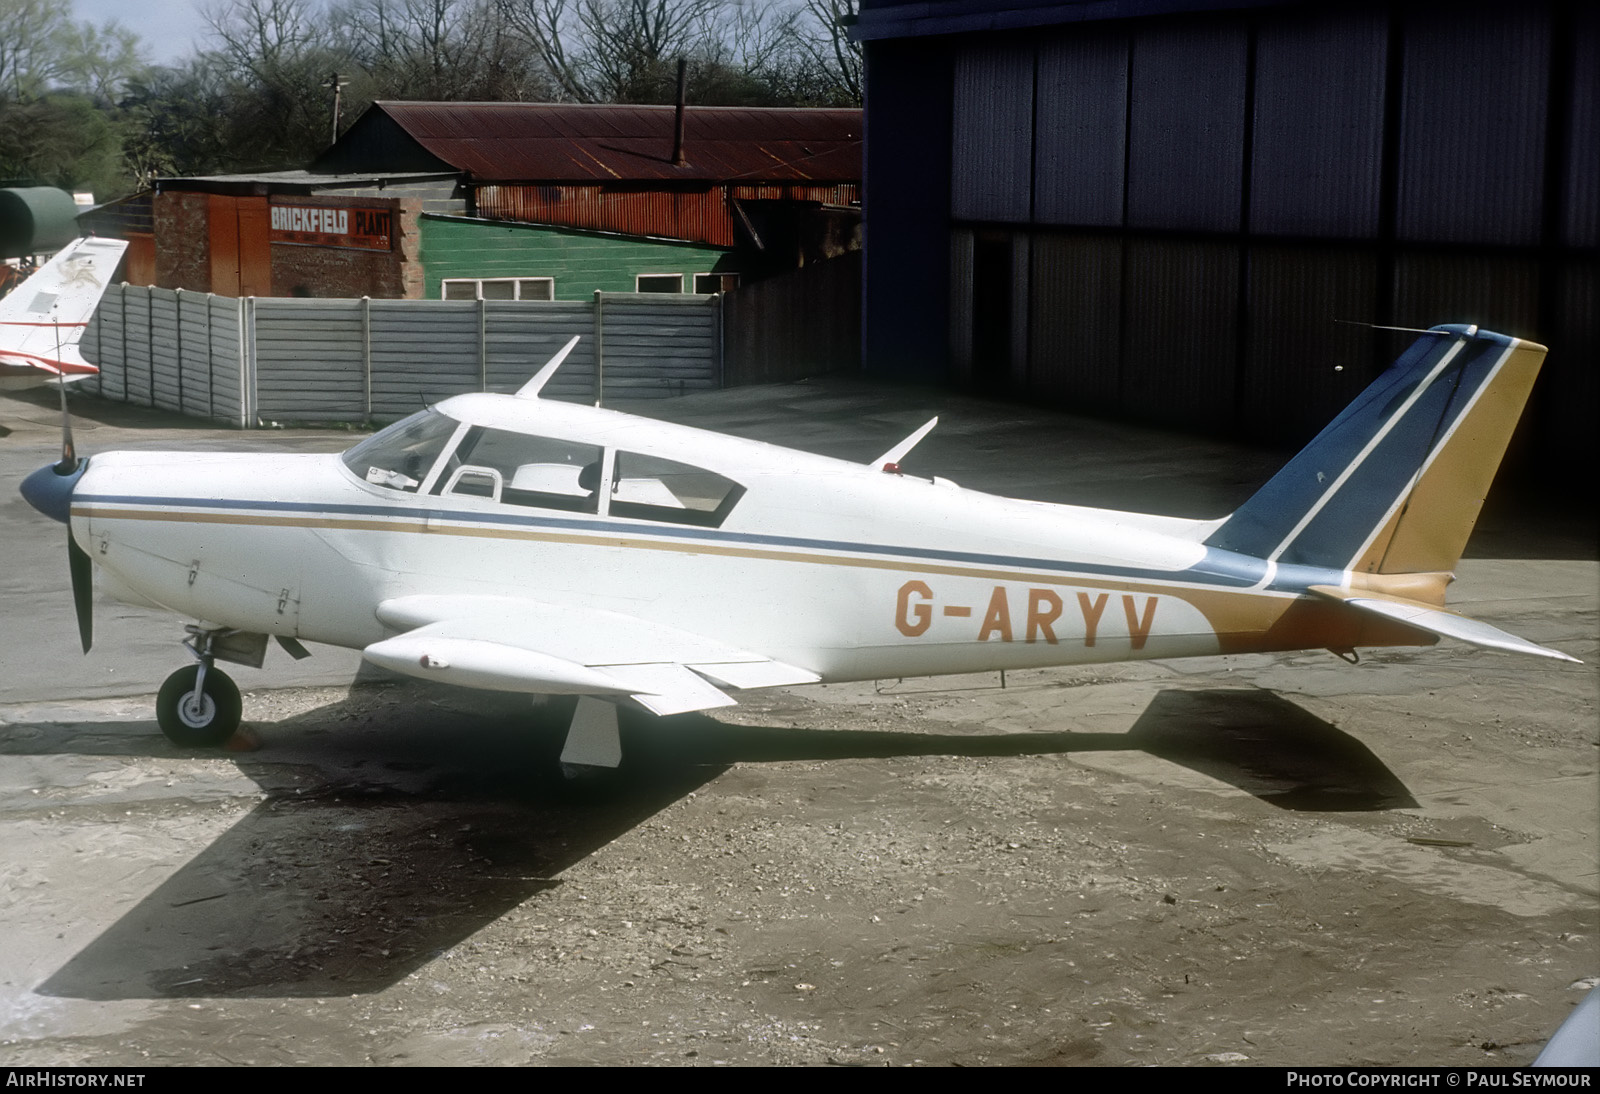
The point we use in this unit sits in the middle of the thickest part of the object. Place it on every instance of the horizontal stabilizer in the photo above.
(1446, 624)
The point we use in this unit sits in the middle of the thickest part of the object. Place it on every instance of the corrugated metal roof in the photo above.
(697, 214)
(560, 142)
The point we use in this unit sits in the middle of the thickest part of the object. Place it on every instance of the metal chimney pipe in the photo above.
(677, 130)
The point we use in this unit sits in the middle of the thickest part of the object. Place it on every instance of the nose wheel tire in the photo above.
(202, 721)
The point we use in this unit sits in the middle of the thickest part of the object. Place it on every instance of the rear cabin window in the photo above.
(519, 469)
(652, 488)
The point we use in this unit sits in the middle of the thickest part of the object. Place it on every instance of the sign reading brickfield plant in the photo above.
(360, 227)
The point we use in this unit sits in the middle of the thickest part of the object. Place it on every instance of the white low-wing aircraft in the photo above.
(519, 544)
(42, 319)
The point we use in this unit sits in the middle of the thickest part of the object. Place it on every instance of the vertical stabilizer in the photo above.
(42, 319)
(1395, 483)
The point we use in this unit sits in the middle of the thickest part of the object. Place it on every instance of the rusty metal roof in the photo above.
(561, 142)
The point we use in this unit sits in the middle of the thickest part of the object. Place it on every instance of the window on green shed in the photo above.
(498, 288)
(658, 283)
(712, 284)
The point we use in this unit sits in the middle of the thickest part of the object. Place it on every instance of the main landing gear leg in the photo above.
(198, 706)
(593, 739)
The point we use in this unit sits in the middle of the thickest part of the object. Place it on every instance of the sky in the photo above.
(170, 29)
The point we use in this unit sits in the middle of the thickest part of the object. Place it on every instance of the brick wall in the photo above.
(317, 271)
(182, 241)
(184, 249)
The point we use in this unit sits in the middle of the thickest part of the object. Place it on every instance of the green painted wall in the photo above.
(580, 262)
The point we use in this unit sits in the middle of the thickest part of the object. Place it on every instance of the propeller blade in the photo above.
(82, 567)
(69, 453)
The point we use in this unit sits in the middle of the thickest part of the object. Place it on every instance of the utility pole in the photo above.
(337, 83)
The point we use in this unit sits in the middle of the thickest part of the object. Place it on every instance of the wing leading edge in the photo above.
(507, 644)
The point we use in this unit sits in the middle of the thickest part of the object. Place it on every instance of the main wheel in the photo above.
(203, 724)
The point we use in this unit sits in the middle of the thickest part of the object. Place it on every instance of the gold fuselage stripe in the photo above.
(623, 541)
(1242, 620)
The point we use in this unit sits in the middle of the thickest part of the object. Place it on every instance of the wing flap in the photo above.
(755, 674)
(589, 636)
(669, 689)
(507, 644)
(1434, 620)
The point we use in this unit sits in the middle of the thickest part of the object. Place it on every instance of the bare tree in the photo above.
(739, 51)
(836, 57)
(439, 49)
(181, 121)
(262, 38)
(634, 44)
(548, 27)
(276, 57)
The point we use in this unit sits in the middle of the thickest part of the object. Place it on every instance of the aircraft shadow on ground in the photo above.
(377, 847)
(391, 833)
(1270, 747)
(1255, 740)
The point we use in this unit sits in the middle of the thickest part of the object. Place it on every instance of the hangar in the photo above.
(1156, 209)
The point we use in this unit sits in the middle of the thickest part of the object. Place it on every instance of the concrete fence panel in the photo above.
(257, 361)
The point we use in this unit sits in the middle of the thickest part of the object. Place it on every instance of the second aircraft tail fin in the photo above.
(42, 319)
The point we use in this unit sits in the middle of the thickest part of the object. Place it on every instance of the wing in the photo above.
(508, 644)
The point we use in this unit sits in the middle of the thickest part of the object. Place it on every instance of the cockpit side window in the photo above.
(401, 456)
(519, 469)
(653, 488)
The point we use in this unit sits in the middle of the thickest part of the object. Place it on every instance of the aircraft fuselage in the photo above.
(830, 566)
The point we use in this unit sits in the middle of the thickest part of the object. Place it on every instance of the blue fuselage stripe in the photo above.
(1217, 568)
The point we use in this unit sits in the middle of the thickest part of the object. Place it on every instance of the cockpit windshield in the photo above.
(400, 456)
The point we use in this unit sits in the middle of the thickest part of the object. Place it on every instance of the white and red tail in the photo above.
(42, 319)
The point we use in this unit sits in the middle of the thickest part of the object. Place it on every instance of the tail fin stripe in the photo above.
(1395, 483)
(1447, 431)
(1383, 432)
(1265, 520)
(1389, 474)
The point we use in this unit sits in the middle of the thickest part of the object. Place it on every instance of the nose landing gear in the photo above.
(199, 706)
